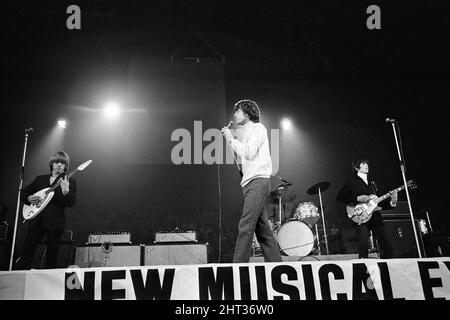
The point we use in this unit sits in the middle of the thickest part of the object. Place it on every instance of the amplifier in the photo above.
(108, 255)
(175, 254)
(400, 211)
(112, 236)
(189, 236)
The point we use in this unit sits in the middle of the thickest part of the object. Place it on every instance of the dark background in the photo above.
(315, 63)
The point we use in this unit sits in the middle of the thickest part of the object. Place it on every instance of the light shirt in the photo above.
(364, 177)
(253, 149)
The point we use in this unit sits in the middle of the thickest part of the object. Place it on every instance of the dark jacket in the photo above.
(53, 215)
(354, 187)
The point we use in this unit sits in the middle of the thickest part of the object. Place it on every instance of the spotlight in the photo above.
(286, 124)
(111, 109)
(62, 124)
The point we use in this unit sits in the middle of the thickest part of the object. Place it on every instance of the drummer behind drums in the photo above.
(273, 211)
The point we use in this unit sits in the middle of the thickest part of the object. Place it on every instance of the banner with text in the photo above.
(416, 279)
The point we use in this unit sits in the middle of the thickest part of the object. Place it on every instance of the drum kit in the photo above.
(294, 235)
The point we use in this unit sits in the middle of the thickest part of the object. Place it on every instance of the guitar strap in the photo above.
(374, 187)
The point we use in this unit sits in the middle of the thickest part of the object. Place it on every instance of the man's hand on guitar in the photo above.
(365, 198)
(394, 198)
(64, 185)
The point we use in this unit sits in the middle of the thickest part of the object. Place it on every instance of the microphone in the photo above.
(288, 183)
(30, 129)
(229, 124)
(390, 120)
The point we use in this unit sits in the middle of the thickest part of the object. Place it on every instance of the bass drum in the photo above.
(295, 238)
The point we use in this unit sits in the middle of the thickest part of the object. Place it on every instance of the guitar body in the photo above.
(361, 213)
(31, 211)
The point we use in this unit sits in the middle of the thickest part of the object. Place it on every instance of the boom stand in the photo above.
(18, 197)
(402, 167)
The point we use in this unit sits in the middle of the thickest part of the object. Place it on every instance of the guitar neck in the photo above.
(57, 184)
(387, 195)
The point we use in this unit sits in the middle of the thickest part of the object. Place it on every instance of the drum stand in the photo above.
(323, 221)
(317, 189)
(318, 241)
(279, 205)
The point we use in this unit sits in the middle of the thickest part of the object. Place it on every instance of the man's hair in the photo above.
(59, 156)
(250, 108)
(356, 164)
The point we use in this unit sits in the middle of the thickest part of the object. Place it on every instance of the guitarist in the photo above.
(358, 189)
(51, 221)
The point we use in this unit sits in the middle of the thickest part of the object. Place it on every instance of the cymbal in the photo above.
(315, 188)
(284, 193)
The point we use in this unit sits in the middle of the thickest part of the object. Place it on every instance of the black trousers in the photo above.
(34, 235)
(376, 225)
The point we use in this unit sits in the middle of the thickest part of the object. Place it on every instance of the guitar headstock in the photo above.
(83, 166)
(411, 184)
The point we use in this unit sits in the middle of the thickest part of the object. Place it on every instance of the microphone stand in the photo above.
(22, 172)
(403, 169)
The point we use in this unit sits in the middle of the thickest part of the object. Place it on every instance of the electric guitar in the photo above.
(32, 210)
(362, 212)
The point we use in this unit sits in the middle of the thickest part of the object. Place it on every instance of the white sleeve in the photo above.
(249, 149)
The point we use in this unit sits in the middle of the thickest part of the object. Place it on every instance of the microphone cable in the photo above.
(220, 212)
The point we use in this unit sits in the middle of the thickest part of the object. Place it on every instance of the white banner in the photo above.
(416, 279)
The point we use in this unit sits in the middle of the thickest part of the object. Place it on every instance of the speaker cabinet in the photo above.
(400, 211)
(64, 259)
(65, 253)
(400, 233)
(108, 255)
(175, 254)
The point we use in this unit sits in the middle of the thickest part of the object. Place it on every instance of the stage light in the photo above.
(62, 124)
(111, 109)
(286, 124)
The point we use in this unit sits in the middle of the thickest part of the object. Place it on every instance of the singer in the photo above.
(358, 189)
(52, 219)
(253, 150)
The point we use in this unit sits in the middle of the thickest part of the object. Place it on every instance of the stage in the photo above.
(354, 279)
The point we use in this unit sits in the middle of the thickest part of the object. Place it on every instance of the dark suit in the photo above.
(352, 188)
(50, 221)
